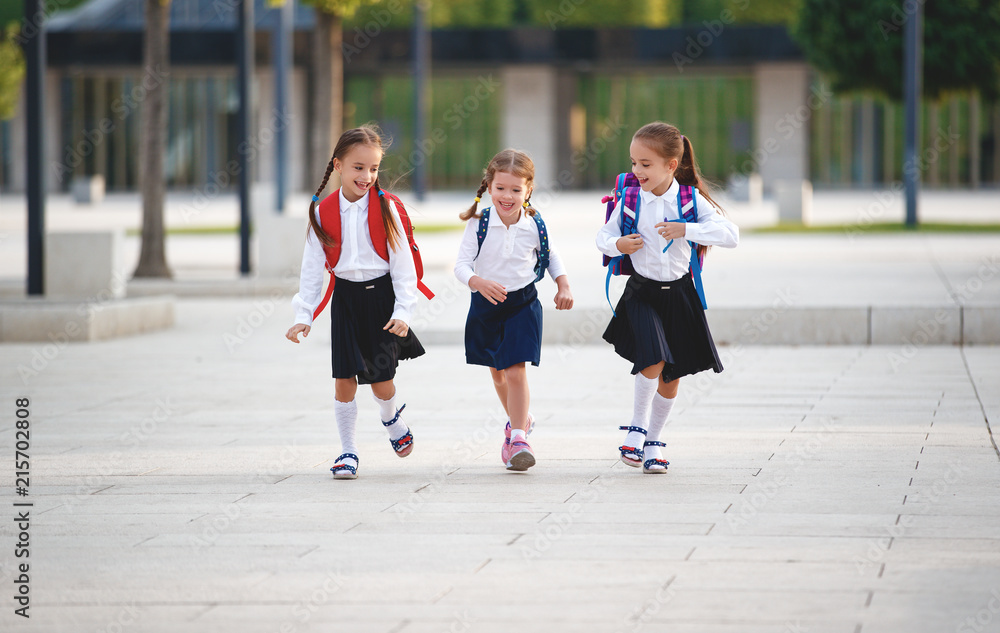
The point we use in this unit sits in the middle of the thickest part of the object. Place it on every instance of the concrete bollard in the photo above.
(280, 240)
(84, 265)
(88, 189)
(746, 188)
(794, 199)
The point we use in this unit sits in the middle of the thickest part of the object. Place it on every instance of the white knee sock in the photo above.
(347, 421)
(657, 418)
(387, 411)
(644, 390)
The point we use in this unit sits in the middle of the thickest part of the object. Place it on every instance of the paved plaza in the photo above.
(180, 482)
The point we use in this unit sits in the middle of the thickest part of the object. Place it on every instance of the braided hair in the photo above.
(509, 161)
(364, 135)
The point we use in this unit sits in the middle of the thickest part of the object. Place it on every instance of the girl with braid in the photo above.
(356, 234)
(500, 258)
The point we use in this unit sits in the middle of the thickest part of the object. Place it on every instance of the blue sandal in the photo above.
(629, 451)
(404, 445)
(649, 462)
(341, 470)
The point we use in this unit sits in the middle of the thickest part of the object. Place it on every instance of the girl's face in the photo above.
(655, 173)
(508, 191)
(358, 170)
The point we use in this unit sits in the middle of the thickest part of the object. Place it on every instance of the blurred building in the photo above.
(571, 97)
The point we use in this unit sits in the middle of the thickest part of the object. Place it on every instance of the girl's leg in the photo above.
(346, 412)
(668, 389)
(646, 382)
(518, 397)
(500, 384)
(384, 394)
(663, 403)
(345, 388)
(517, 454)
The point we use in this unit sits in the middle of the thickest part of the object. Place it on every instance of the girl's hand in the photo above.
(564, 298)
(671, 230)
(293, 332)
(491, 290)
(629, 244)
(397, 327)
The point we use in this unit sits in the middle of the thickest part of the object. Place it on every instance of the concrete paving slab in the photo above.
(821, 488)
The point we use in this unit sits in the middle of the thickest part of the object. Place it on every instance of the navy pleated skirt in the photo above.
(358, 312)
(507, 333)
(663, 321)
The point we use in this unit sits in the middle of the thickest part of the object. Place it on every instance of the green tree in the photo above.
(597, 13)
(743, 11)
(465, 13)
(11, 72)
(858, 44)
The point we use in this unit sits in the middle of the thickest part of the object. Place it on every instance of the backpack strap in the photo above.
(418, 262)
(376, 226)
(687, 207)
(543, 241)
(543, 247)
(329, 219)
(484, 226)
(631, 203)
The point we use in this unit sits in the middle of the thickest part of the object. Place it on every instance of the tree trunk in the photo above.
(327, 95)
(156, 60)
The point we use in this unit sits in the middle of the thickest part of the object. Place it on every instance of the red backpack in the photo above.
(329, 219)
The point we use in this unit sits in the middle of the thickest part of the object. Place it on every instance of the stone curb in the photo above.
(60, 322)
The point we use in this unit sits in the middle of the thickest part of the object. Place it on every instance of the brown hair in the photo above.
(667, 141)
(364, 135)
(509, 161)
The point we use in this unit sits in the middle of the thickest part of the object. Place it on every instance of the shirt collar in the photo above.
(648, 197)
(361, 204)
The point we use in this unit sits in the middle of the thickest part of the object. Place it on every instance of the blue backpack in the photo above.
(627, 196)
(543, 240)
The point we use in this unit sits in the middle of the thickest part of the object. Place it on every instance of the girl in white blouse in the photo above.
(500, 259)
(356, 235)
(659, 323)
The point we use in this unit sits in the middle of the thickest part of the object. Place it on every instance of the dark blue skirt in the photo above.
(358, 312)
(507, 333)
(663, 321)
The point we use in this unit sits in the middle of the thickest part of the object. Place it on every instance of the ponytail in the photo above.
(323, 236)
(473, 211)
(688, 174)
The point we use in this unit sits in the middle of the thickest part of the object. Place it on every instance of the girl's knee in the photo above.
(517, 373)
(384, 390)
(345, 389)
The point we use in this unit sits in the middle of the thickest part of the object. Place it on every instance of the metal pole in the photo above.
(283, 34)
(421, 63)
(244, 57)
(34, 45)
(912, 72)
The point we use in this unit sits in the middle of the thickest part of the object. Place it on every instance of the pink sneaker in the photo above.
(505, 449)
(517, 455)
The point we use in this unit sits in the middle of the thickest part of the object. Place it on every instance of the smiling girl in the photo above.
(374, 290)
(659, 323)
(500, 259)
